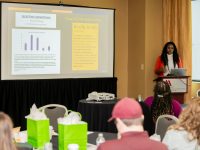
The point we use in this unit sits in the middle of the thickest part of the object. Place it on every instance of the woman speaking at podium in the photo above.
(169, 59)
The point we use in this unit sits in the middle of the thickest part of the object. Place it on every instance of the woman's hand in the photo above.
(161, 70)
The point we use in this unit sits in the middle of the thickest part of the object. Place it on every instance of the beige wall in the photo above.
(153, 41)
(145, 44)
(136, 46)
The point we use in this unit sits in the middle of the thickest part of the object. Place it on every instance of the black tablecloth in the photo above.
(96, 114)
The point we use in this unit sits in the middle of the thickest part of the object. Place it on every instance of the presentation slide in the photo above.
(49, 41)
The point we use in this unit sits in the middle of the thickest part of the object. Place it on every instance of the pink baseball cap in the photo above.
(126, 108)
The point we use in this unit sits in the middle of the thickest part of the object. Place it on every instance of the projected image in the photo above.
(49, 41)
(35, 51)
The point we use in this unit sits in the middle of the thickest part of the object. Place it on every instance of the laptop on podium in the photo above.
(178, 72)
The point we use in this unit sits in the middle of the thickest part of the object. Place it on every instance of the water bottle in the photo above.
(100, 139)
(139, 98)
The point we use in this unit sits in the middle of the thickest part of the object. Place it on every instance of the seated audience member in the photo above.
(6, 125)
(185, 135)
(128, 118)
(162, 102)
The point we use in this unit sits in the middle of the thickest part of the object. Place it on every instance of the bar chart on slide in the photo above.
(31, 46)
(36, 40)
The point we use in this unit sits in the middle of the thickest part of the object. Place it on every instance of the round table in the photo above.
(96, 114)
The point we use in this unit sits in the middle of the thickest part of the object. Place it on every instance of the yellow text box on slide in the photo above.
(85, 37)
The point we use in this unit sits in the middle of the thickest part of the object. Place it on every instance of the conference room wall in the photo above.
(145, 45)
(154, 41)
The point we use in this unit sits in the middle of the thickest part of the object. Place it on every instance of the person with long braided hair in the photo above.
(185, 134)
(162, 103)
(169, 59)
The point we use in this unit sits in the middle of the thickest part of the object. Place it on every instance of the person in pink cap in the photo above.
(128, 118)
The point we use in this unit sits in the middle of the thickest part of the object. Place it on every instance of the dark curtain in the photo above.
(17, 96)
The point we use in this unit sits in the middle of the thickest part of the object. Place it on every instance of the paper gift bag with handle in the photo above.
(38, 132)
(72, 133)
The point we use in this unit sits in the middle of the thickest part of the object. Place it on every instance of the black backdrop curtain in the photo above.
(17, 96)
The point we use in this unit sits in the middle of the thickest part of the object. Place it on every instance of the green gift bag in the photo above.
(72, 133)
(38, 132)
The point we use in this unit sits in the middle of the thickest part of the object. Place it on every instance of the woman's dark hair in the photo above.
(164, 54)
(162, 103)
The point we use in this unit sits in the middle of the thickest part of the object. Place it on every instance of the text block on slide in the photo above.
(178, 85)
(85, 37)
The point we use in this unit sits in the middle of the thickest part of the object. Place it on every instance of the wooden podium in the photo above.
(178, 86)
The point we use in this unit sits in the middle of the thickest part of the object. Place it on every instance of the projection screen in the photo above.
(49, 41)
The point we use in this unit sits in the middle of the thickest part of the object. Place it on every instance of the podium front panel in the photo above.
(177, 85)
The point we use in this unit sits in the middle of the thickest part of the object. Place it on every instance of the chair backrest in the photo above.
(24, 146)
(53, 112)
(198, 93)
(162, 124)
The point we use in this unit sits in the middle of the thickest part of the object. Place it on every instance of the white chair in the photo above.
(53, 112)
(162, 124)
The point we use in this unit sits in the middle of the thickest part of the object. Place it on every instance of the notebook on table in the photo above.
(178, 72)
